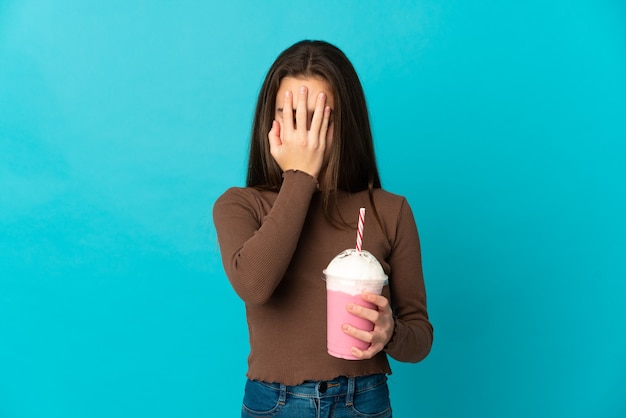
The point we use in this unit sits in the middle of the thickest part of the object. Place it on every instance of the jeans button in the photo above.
(322, 387)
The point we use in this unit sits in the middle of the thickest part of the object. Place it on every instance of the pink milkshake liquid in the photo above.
(347, 276)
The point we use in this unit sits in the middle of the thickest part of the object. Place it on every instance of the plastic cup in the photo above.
(343, 289)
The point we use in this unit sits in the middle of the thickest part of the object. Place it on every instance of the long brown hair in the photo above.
(352, 163)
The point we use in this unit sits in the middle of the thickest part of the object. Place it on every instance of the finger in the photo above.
(281, 130)
(381, 302)
(274, 135)
(371, 351)
(379, 335)
(318, 114)
(365, 336)
(288, 112)
(371, 315)
(301, 110)
(325, 125)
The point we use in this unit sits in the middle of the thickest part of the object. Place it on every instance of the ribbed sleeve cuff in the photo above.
(301, 178)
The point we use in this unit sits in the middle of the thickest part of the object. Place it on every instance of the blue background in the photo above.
(122, 121)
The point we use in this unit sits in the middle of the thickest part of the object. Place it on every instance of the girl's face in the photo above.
(315, 86)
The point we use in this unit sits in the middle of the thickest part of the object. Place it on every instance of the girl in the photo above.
(311, 168)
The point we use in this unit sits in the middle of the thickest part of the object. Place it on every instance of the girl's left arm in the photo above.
(412, 336)
(401, 325)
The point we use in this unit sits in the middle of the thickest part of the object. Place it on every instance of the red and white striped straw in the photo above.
(359, 230)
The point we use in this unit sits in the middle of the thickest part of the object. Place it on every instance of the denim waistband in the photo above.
(339, 386)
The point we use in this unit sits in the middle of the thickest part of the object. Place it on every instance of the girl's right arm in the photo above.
(256, 241)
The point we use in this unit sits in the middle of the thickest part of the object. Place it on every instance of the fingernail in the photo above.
(287, 93)
(346, 327)
(322, 96)
(303, 89)
(350, 307)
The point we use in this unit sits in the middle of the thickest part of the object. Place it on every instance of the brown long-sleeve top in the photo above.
(274, 247)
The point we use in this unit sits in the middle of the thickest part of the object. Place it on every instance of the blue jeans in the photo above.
(366, 396)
